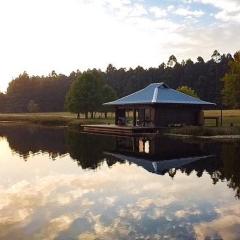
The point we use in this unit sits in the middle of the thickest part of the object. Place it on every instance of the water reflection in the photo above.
(157, 155)
(123, 198)
(27, 140)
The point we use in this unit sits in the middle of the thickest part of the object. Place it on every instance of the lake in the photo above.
(58, 184)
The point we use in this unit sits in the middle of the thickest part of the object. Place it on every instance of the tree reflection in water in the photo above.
(89, 151)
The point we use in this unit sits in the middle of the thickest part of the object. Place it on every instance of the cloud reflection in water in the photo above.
(44, 199)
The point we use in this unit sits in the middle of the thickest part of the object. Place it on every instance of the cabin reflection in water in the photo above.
(144, 145)
(158, 155)
(88, 152)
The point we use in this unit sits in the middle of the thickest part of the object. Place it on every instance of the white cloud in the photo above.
(187, 212)
(225, 226)
(229, 5)
(158, 12)
(170, 7)
(65, 35)
(189, 13)
(229, 9)
(138, 10)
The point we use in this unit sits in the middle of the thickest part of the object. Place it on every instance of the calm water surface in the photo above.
(56, 184)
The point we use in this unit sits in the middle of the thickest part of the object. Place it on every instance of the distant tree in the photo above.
(53, 74)
(216, 56)
(200, 59)
(50, 91)
(183, 63)
(32, 106)
(172, 61)
(108, 94)
(2, 102)
(231, 91)
(110, 68)
(189, 62)
(162, 66)
(187, 90)
(85, 94)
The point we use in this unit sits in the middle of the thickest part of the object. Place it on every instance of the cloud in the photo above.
(186, 213)
(212, 37)
(229, 5)
(158, 12)
(138, 10)
(100, 204)
(66, 35)
(229, 9)
(226, 226)
(189, 13)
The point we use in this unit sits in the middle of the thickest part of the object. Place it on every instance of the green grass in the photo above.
(69, 119)
(231, 125)
(230, 117)
(53, 119)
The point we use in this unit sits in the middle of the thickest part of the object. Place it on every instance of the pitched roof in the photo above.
(161, 166)
(158, 93)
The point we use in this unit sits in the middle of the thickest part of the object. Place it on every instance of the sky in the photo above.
(39, 36)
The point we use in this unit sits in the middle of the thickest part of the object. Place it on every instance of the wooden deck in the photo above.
(120, 130)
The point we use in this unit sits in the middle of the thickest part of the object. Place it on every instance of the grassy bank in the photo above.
(206, 131)
(230, 117)
(53, 119)
(231, 125)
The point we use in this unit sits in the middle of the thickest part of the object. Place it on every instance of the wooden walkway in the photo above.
(120, 130)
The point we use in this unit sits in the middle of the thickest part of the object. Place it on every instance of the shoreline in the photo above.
(76, 124)
(51, 120)
(214, 138)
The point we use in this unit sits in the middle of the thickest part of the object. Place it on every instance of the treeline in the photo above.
(48, 93)
(203, 77)
(37, 93)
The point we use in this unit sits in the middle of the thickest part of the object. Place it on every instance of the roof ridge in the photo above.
(158, 93)
(155, 95)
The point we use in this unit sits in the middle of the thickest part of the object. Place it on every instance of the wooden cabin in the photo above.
(158, 105)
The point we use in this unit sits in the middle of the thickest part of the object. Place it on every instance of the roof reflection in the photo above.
(157, 155)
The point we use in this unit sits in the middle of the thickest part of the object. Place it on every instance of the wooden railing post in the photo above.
(134, 117)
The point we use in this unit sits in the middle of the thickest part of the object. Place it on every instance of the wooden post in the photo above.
(134, 117)
(144, 117)
(116, 116)
(200, 120)
(217, 122)
(133, 142)
(221, 116)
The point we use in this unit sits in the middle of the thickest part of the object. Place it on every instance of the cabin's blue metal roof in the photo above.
(158, 93)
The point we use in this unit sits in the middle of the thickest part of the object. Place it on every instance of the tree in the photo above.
(108, 94)
(216, 56)
(189, 62)
(48, 91)
(200, 59)
(85, 93)
(231, 90)
(172, 61)
(187, 90)
(2, 102)
(32, 106)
